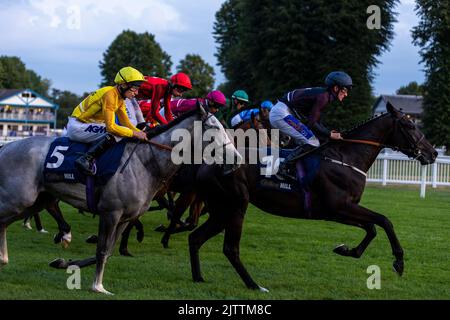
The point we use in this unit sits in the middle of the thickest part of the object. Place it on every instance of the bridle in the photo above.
(414, 145)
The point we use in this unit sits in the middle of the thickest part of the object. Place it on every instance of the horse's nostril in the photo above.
(435, 154)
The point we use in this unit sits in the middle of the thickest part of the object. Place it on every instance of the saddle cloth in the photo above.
(59, 164)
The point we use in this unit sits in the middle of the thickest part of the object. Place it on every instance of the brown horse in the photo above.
(335, 190)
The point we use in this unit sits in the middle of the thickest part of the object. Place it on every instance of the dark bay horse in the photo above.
(336, 191)
(126, 196)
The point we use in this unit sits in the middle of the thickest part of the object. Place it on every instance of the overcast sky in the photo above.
(63, 40)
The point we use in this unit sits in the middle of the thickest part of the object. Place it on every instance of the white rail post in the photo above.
(423, 182)
(385, 171)
(435, 174)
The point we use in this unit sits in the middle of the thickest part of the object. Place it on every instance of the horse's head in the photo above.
(408, 139)
(214, 130)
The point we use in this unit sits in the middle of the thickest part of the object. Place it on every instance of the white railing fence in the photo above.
(396, 168)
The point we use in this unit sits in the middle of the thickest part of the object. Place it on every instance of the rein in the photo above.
(156, 144)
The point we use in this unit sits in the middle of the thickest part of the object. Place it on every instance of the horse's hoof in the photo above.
(199, 279)
(398, 267)
(125, 253)
(57, 238)
(165, 243)
(92, 239)
(160, 228)
(42, 231)
(100, 289)
(27, 226)
(58, 263)
(262, 289)
(342, 250)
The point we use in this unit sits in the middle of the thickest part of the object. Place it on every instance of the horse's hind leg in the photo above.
(64, 235)
(356, 252)
(3, 246)
(197, 238)
(231, 245)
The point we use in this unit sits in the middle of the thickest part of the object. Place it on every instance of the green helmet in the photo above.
(240, 95)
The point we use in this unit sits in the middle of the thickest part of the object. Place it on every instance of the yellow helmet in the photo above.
(129, 75)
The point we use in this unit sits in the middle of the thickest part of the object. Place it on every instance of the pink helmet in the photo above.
(217, 97)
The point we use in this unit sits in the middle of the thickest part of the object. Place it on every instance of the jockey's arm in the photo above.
(124, 120)
(167, 109)
(158, 92)
(109, 111)
(314, 118)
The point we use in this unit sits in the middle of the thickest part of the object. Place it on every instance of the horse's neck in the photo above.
(362, 155)
(159, 158)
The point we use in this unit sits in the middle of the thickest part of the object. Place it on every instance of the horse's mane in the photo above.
(365, 122)
(163, 128)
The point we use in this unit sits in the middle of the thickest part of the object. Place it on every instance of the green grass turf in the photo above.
(292, 258)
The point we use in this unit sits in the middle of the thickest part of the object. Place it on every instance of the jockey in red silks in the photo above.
(156, 89)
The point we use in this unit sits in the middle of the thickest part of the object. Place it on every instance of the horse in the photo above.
(335, 191)
(184, 183)
(125, 196)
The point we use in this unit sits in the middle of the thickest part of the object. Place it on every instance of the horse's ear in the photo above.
(390, 108)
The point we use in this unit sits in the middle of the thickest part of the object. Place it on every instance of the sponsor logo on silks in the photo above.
(95, 129)
(285, 186)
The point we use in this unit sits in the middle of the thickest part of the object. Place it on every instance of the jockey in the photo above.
(157, 89)
(308, 104)
(247, 114)
(239, 100)
(94, 117)
(214, 101)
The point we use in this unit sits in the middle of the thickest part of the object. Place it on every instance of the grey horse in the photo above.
(127, 194)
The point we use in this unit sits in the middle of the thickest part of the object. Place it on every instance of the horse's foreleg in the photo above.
(364, 215)
(181, 205)
(356, 252)
(233, 232)
(106, 239)
(3, 247)
(197, 238)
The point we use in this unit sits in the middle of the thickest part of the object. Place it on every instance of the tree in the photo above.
(201, 74)
(140, 51)
(412, 88)
(432, 35)
(286, 44)
(67, 101)
(15, 75)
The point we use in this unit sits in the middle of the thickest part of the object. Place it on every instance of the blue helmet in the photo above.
(267, 104)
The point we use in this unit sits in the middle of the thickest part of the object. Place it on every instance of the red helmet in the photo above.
(217, 97)
(182, 80)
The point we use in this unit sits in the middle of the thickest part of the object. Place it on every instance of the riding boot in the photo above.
(292, 158)
(86, 161)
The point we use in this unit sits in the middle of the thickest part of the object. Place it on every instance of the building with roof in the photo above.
(24, 112)
(410, 105)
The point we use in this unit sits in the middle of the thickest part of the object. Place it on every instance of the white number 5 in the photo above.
(58, 155)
